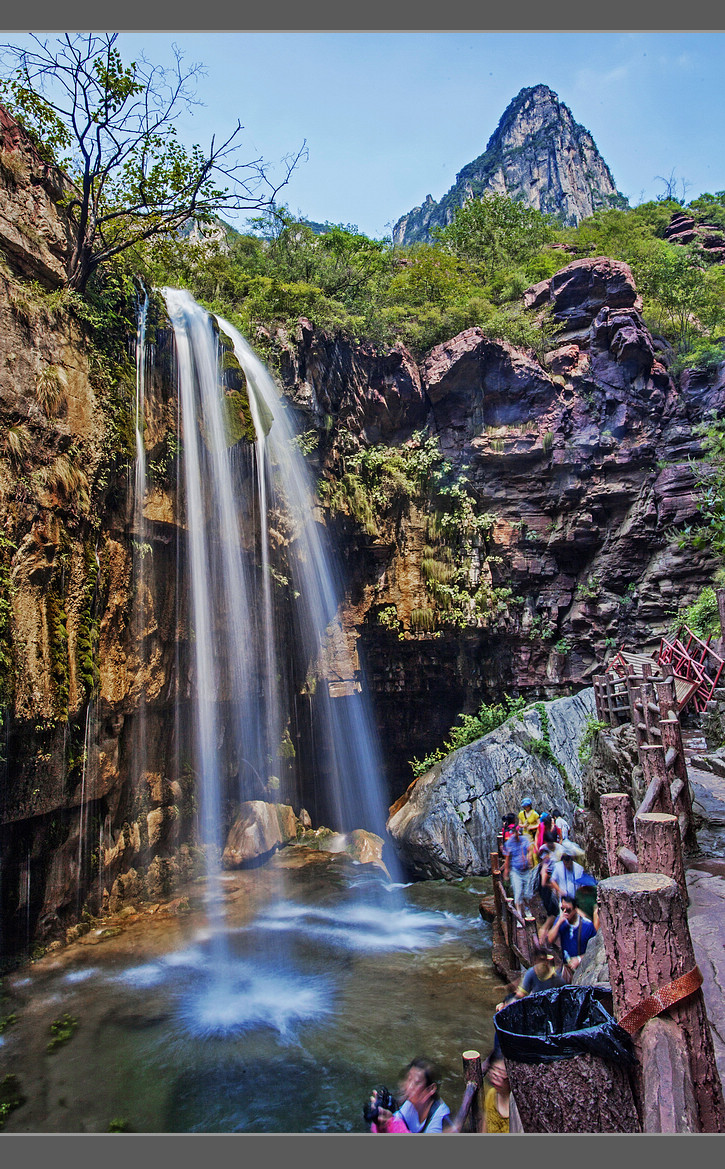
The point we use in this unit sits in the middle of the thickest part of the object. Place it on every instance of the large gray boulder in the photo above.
(448, 824)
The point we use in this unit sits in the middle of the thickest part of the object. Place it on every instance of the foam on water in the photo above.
(148, 974)
(74, 976)
(359, 926)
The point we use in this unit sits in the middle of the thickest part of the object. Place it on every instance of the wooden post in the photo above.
(659, 847)
(666, 698)
(497, 893)
(652, 758)
(682, 806)
(648, 945)
(669, 1103)
(602, 716)
(531, 936)
(473, 1072)
(633, 696)
(616, 809)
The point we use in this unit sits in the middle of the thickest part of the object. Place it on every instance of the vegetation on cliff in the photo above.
(473, 274)
(468, 728)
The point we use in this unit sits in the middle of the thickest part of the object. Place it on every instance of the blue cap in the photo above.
(526, 800)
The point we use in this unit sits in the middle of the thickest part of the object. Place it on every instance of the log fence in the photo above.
(656, 984)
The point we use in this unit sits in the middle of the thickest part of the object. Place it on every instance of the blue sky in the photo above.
(390, 117)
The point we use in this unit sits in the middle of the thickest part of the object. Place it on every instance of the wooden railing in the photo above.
(470, 1115)
(519, 933)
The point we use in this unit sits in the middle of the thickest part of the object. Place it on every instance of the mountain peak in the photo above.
(539, 154)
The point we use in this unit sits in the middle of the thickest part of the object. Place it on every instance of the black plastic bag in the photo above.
(560, 1024)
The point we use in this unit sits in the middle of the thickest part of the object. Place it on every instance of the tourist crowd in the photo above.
(540, 864)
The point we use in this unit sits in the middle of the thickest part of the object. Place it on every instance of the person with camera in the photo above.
(421, 1110)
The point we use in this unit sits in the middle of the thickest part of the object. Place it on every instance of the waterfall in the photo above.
(244, 664)
(343, 727)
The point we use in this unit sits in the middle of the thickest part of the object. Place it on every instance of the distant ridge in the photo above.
(537, 154)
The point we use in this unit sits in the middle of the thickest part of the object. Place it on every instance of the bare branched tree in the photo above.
(112, 128)
(670, 192)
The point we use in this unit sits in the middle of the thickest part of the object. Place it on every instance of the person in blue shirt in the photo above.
(422, 1109)
(573, 930)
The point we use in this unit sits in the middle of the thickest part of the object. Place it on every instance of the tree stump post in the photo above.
(682, 806)
(634, 695)
(652, 758)
(669, 1103)
(473, 1074)
(666, 698)
(659, 847)
(648, 945)
(616, 810)
(531, 936)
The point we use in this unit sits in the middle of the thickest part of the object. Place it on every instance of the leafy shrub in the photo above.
(592, 727)
(702, 616)
(470, 727)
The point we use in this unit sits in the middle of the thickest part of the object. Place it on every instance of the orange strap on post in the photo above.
(663, 997)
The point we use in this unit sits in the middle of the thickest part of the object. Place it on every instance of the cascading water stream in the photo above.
(139, 543)
(353, 774)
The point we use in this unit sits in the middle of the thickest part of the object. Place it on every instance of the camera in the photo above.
(385, 1099)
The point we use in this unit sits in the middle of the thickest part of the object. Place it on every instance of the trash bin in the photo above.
(568, 1062)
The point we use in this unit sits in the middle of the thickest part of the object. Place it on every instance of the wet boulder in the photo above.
(259, 830)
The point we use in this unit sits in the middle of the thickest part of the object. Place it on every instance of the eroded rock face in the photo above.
(34, 233)
(583, 462)
(447, 825)
(376, 395)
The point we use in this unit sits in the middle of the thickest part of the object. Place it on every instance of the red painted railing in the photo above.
(693, 660)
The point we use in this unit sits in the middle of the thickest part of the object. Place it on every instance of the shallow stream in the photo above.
(282, 1021)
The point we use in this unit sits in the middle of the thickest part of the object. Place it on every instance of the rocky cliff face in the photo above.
(583, 463)
(538, 154)
(447, 822)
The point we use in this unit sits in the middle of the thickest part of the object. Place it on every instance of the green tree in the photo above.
(112, 127)
(685, 297)
(496, 233)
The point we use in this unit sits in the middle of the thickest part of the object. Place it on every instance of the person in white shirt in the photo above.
(565, 875)
(561, 823)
